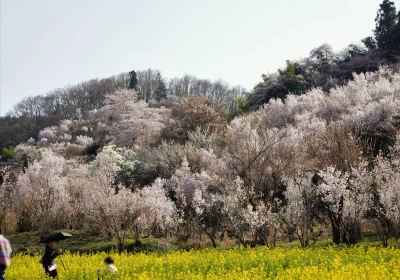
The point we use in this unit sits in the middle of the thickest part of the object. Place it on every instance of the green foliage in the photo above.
(369, 42)
(241, 107)
(7, 153)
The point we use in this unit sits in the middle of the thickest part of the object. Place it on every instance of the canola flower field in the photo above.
(259, 263)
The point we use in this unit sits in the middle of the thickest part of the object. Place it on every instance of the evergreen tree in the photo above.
(161, 91)
(397, 35)
(133, 80)
(369, 42)
(385, 26)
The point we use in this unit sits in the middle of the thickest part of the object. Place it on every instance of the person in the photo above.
(5, 255)
(109, 263)
(110, 268)
(51, 252)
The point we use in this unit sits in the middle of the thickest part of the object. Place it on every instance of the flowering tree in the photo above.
(244, 210)
(357, 201)
(183, 186)
(208, 207)
(8, 209)
(346, 198)
(387, 194)
(41, 193)
(301, 208)
(52, 134)
(153, 213)
(115, 210)
(129, 120)
(107, 205)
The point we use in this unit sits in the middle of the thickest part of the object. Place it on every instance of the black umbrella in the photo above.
(55, 236)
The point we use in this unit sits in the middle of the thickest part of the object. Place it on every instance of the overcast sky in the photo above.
(47, 44)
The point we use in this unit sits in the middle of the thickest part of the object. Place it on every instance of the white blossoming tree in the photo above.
(130, 121)
(300, 213)
(346, 199)
(41, 193)
(387, 196)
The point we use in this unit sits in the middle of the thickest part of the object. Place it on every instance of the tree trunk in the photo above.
(213, 242)
(335, 232)
(121, 244)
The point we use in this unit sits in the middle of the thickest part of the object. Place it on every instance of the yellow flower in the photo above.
(258, 263)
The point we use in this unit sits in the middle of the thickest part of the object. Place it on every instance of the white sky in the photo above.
(47, 44)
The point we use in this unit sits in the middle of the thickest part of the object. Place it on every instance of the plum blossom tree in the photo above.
(60, 133)
(41, 193)
(253, 153)
(48, 133)
(208, 207)
(130, 121)
(154, 212)
(8, 210)
(84, 140)
(357, 201)
(107, 205)
(115, 210)
(387, 193)
(182, 186)
(243, 209)
(259, 157)
(301, 208)
(333, 189)
(346, 199)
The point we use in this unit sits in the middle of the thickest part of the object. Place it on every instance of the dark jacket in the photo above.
(49, 256)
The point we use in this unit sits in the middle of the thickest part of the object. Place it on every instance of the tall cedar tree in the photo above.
(386, 26)
(133, 80)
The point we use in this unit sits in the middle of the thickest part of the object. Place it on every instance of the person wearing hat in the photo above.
(51, 252)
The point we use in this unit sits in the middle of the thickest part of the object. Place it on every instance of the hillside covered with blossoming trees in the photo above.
(319, 163)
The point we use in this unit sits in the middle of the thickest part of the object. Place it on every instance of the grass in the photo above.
(84, 243)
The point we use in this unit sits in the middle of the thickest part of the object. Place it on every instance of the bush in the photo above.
(7, 153)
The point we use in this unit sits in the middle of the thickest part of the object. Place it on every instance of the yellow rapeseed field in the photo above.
(259, 263)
